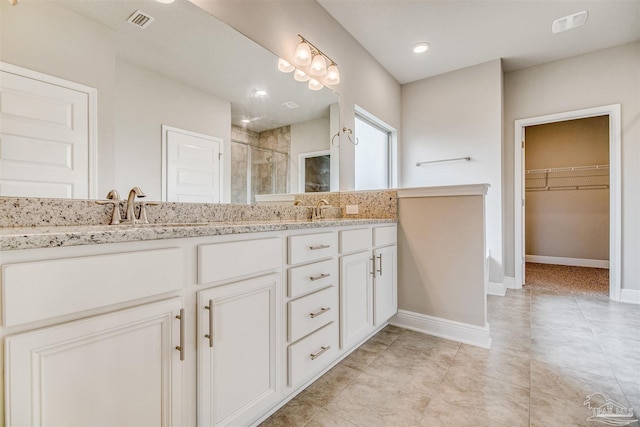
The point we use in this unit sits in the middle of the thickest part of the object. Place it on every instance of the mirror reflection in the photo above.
(161, 96)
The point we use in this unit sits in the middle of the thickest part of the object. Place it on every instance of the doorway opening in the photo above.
(567, 225)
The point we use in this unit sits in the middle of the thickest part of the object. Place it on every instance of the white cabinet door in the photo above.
(356, 298)
(239, 355)
(118, 369)
(385, 294)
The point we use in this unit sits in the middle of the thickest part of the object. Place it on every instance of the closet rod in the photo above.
(569, 169)
(443, 160)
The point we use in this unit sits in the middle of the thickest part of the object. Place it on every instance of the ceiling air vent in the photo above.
(140, 19)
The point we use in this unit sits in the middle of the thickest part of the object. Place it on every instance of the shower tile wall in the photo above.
(269, 171)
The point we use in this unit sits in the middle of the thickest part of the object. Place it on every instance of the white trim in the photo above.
(301, 167)
(449, 329)
(615, 189)
(631, 296)
(509, 282)
(444, 190)
(92, 105)
(497, 289)
(287, 198)
(577, 262)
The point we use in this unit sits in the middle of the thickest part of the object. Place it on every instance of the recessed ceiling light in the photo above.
(260, 93)
(421, 47)
(165, 1)
(246, 121)
(568, 22)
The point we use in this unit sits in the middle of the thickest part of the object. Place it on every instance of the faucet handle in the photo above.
(142, 216)
(113, 199)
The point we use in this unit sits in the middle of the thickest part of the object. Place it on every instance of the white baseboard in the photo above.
(498, 289)
(509, 282)
(444, 328)
(576, 262)
(630, 296)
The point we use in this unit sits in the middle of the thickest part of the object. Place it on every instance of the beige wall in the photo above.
(609, 76)
(453, 115)
(276, 25)
(144, 101)
(43, 37)
(441, 246)
(306, 137)
(568, 223)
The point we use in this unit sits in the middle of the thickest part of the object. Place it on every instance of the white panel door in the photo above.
(239, 355)
(119, 369)
(44, 139)
(192, 166)
(356, 298)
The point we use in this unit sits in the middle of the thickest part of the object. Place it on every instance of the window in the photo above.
(372, 154)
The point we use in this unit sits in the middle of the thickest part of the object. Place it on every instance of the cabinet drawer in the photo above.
(226, 260)
(311, 247)
(312, 312)
(44, 289)
(309, 278)
(383, 236)
(313, 353)
(355, 240)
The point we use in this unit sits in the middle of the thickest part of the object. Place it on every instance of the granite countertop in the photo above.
(12, 238)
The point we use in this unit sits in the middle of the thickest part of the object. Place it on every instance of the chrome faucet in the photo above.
(131, 214)
(317, 212)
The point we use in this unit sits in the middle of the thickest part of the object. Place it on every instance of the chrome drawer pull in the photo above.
(210, 334)
(320, 276)
(373, 263)
(380, 258)
(318, 354)
(315, 248)
(180, 347)
(318, 313)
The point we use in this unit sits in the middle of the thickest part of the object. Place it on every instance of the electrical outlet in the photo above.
(352, 209)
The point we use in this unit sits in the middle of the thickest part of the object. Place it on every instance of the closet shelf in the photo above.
(595, 177)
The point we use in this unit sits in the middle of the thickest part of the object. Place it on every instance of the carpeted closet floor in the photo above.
(567, 279)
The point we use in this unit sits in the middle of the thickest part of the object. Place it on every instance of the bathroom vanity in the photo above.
(201, 324)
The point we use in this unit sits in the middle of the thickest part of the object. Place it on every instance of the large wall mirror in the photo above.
(183, 106)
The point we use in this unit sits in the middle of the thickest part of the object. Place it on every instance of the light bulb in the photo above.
(333, 75)
(318, 65)
(302, 55)
(315, 85)
(284, 66)
(300, 76)
(421, 47)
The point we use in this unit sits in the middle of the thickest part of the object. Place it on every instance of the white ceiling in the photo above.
(468, 32)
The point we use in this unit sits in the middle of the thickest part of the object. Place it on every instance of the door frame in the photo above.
(615, 189)
(92, 110)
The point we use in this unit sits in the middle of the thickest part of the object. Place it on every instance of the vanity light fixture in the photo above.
(315, 85)
(285, 66)
(421, 47)
(323, 68)
(300, 75)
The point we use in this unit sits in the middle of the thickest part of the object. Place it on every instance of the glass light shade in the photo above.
(315, 85)
(300, 76)
(318, 65)
(333, 75)
(302, 55)
(284, 66)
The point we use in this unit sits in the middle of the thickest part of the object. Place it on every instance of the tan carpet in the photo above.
(562, 278)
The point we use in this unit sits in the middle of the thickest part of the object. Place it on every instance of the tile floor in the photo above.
(549, 352)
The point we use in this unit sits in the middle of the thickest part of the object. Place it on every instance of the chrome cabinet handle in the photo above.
(319, 312)
(210, 334)
(316, 247)
(373, 263)
(180, 347)
(320, 276)
(380, 258)
(318, 354)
